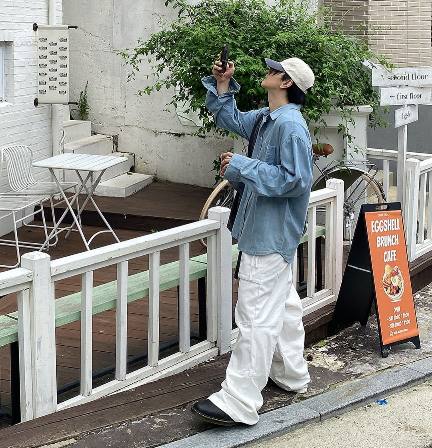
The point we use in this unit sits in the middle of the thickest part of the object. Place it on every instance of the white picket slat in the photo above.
(184, 299)
(224, 278)
(337, 186)
(121, 321)
(87, 334)
(311, 251)
(329, 264)
(153, 324)
(43, 343)
(386, 177)
(411, 205)
(25, 357)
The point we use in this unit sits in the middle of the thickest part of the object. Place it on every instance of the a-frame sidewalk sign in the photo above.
(377, 272)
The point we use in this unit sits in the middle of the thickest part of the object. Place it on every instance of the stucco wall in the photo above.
(20, 121)
(163, 146)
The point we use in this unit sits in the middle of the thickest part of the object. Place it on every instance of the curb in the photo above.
(314, 409)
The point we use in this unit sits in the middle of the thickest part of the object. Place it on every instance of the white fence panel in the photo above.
(35, 284)
(329, 201)
(417, 206)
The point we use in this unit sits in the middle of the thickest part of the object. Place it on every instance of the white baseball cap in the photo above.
(296, 69)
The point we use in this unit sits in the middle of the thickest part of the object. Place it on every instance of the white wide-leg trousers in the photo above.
(271, 338)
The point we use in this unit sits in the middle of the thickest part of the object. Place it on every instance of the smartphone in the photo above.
(224, 58)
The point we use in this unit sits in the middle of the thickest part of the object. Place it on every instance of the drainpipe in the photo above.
(57, 110)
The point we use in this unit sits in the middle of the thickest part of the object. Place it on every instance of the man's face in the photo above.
(273, 80)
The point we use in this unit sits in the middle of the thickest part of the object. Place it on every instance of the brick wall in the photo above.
(399, 29)
(349, 15)
(20, 121)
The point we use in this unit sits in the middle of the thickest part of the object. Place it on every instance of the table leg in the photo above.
(69, 206)
(60, 220)
(84, 187)
(90, 198)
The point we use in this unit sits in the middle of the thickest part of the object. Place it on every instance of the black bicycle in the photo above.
(360, 187)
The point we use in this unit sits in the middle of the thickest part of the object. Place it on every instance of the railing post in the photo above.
(338, 229)
(42, 339)
(223, 278)
(410, 205)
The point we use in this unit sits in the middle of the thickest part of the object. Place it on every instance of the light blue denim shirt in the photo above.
(278, 177)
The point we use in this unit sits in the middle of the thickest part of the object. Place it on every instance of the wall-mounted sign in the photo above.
(377, 272)
(406, 115)
(53, 64)
(402, 87)
(412, 77)
(400, 96)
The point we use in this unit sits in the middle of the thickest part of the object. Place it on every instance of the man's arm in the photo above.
(292, 178)
(221, 88)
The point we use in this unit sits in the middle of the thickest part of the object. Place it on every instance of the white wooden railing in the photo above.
(417, 202)
(42, 338)
(35, 284)
(387, 155)
(418, 209)
(330, 201)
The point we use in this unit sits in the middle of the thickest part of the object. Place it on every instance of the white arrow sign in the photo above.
(400, 96)
(412, 77)
(405, 115)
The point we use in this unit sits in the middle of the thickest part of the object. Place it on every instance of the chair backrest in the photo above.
(18, 160)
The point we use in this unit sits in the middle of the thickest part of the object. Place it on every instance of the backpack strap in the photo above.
(239, 194)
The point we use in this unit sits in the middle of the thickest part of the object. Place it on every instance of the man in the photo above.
(270, 221)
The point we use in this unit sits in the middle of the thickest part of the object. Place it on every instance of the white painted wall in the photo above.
(20, 121)
(163, 146)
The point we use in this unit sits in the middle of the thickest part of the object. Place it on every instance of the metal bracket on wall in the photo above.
(35, 27)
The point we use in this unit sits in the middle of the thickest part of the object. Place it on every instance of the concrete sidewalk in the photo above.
(402, 419)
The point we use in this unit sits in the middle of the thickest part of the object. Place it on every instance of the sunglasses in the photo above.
(272, 71)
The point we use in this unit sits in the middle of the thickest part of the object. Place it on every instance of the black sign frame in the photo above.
(354, 304)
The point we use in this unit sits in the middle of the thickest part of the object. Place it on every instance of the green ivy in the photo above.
(83, 105)
(183, 52)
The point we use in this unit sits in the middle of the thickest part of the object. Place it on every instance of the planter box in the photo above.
(356, 150)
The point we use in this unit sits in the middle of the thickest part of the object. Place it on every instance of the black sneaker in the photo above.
(210, 413)
(303, 390)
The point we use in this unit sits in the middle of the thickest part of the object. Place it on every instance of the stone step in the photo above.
(76, 130)
(114, 171)
(124, 185)
(96, 144)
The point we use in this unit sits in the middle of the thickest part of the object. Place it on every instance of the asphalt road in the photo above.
(403, 420)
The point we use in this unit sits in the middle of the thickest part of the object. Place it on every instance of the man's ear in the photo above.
(286, 84)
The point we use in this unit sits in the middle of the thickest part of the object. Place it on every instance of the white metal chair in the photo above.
(18, 160)
(19, 167)
(17, 207)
